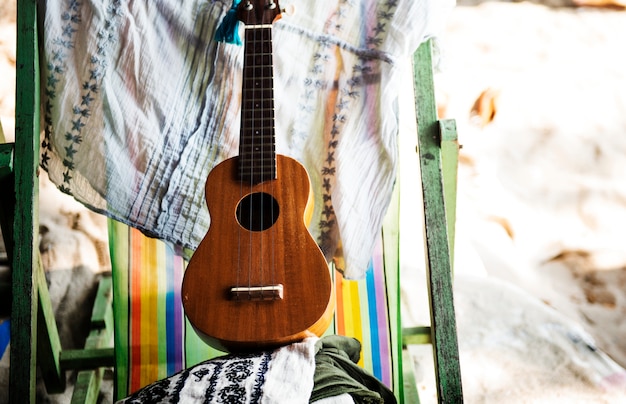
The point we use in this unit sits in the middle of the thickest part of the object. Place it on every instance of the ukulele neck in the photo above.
(257, 147)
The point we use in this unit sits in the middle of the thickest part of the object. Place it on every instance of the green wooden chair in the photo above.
(34, 338)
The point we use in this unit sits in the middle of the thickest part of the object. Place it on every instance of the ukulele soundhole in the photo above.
(257, 211)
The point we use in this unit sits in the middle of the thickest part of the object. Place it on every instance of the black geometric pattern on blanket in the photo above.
(221, 380)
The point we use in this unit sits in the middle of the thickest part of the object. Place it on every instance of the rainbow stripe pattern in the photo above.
(362, 313)
(153, 340)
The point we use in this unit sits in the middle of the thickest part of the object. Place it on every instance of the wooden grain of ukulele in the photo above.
(258, 279)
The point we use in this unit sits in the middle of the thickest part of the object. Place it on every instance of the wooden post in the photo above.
(443, 323)
(25, 233)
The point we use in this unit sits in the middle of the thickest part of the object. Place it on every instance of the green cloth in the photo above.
(337, 372)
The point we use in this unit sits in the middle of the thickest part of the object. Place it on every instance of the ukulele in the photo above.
(258, 279)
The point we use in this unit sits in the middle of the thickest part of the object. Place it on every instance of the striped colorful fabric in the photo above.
(153, 340)
(362, 313)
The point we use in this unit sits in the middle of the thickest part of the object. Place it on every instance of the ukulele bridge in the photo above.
(270, 292)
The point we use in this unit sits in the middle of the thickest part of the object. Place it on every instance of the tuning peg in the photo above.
(289, 10)
(249, 5)
(271, 5)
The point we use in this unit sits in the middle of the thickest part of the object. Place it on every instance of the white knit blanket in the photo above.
(273, 377)
(140, 103)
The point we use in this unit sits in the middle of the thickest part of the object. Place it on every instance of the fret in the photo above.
(258, 70)
(264, 141)
(257, 60)
(262, 131)
(260, 52)
(251, 155)
(257, 164)
(255, 150)
(258, 36)
(258, 111)
(258, 84)
(257, 174)
(254, 123)
(251, 152)
(258, 95)
(257, 104)
(255, 146)
(253, 167)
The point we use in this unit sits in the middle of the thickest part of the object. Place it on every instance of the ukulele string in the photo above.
(246, 163)
(254, 133)
(240, 175)
(240, 168)
(267, 145)
(272, 145)
(258, 54)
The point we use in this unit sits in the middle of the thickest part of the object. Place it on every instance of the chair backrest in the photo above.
(153, 339)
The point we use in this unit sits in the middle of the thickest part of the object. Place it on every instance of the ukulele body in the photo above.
(258, 279)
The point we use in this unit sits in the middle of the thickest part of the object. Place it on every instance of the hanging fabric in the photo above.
(141, 102)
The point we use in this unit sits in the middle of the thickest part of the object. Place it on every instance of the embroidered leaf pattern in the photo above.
(56, 67)
(349, 88)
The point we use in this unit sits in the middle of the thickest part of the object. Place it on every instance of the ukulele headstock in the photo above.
(258, 12)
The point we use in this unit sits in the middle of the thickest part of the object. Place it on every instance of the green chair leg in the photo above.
(437, 225)
(25, 228)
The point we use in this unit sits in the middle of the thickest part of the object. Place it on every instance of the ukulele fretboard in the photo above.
(257, 150)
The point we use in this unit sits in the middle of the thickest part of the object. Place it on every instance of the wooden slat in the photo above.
(92, 360)
(48, 341)
(416, 335)
(87, 388)
(102, 312)
(450, 167)
(443, 324)
(410, 394)
(92, 356)
(24, 299)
